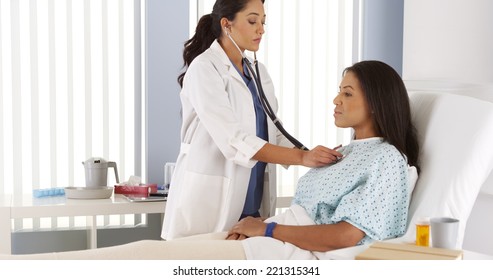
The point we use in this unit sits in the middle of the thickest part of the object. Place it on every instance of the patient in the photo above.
(364, 196)
(361, 198)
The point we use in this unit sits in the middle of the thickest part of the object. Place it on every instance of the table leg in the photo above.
(92, 232)
(5, 231)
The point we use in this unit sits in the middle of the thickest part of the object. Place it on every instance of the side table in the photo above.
(29, 207)
(351, 252)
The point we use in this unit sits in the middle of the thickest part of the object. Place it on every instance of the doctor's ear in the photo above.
(226, 25)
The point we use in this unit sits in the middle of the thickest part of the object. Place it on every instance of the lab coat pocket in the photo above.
(206, 198)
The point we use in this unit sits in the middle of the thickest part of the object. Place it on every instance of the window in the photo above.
(306, 46)
(69, 81)
(68, 90)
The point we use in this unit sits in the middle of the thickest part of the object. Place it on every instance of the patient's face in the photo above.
(352, 109)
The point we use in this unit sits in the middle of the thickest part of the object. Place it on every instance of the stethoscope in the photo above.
(263, 99)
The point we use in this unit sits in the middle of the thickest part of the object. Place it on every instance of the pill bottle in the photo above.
(423, 232)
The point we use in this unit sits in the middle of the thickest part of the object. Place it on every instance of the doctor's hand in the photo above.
(320, 156)
(247, 227)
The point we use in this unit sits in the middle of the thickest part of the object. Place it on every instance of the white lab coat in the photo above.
(210, 181)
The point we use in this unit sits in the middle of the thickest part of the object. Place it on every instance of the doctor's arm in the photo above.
(317, 157)
(320, 238)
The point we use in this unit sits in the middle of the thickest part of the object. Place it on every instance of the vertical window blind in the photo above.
(306, 46)
(70, 80)
(67, 90)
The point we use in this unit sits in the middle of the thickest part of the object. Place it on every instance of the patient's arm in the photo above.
(319, 238)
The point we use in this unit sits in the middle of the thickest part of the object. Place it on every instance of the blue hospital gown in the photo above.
(368, 188)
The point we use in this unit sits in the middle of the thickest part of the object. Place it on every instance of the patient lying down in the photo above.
(359, 199)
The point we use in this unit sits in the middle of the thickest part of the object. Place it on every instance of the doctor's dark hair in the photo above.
(387, 98)
(209, 29)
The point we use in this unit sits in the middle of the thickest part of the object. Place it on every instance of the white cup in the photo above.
(444, 232)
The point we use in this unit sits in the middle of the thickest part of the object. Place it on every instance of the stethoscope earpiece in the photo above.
(226, 30)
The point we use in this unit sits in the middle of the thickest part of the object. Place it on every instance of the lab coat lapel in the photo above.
(227, 63)
(234, 73)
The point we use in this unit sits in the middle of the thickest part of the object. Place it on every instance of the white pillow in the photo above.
(456, 140)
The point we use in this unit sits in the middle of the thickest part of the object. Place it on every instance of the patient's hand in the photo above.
(248, 227)
(236, 236)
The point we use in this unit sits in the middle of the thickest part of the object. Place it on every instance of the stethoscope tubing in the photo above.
(267, 108)
(263, 99)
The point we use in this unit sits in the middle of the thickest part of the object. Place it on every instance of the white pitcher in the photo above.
(97, 172)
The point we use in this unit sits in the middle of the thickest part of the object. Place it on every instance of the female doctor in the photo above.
(227, 140)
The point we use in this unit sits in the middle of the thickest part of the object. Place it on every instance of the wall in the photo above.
(382, 31)
(450, 42)
(448, 39)
(167, 30)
